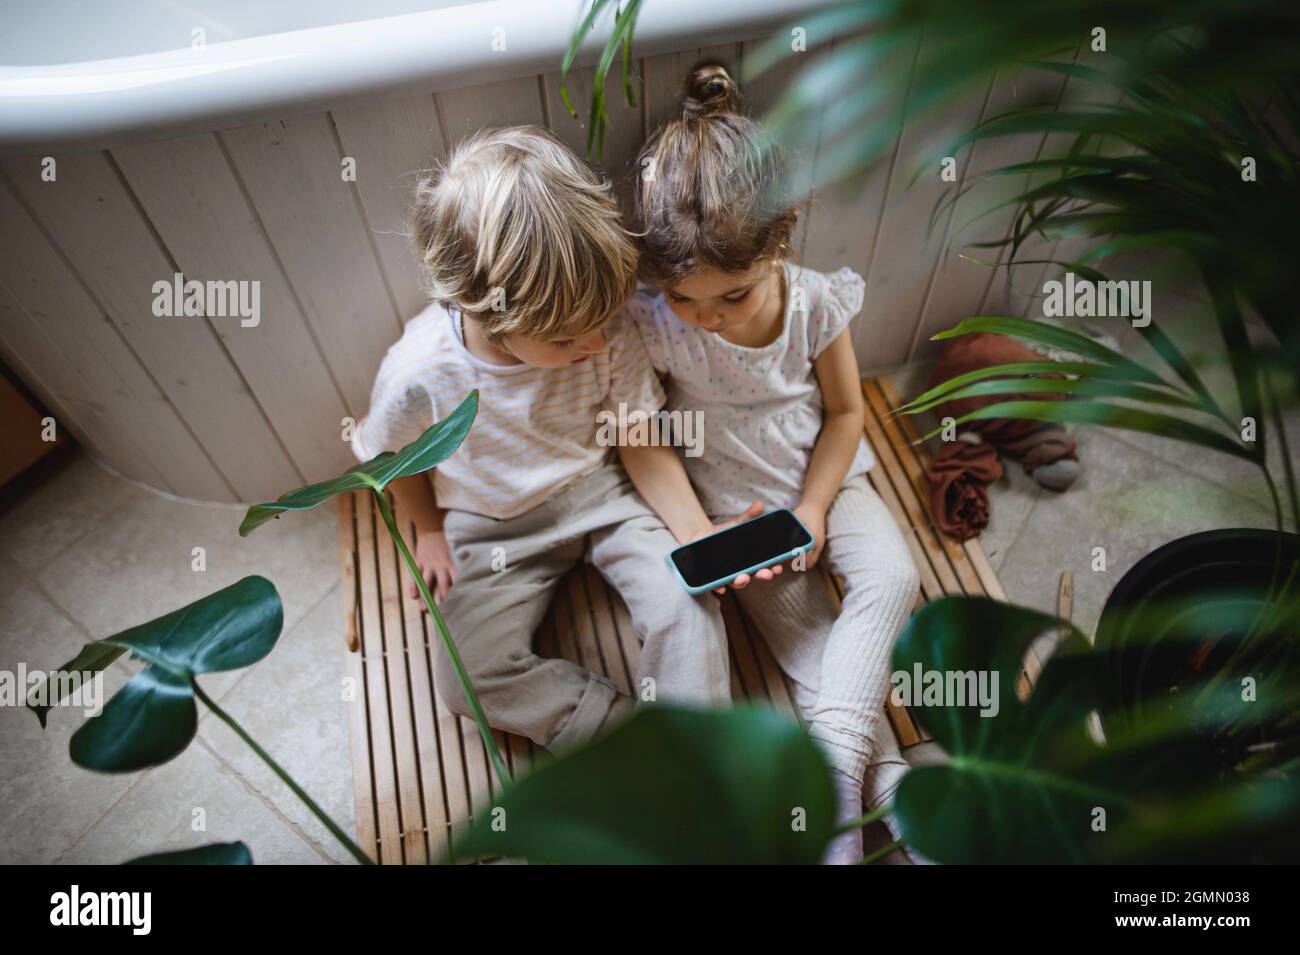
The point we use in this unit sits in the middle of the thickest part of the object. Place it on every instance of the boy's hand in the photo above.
(767, 573)
(814, 518)
(433, 557)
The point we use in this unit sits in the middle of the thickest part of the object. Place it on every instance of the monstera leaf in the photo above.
(153, 717)
(147, 722)
(93, 658)
(216, 853)
(1028, 784)
(427, 451)
(1012, 791)
(670, 785)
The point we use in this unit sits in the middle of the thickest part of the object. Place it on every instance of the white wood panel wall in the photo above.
(206, 408)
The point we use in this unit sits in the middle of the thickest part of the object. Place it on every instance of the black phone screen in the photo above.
(738, 548)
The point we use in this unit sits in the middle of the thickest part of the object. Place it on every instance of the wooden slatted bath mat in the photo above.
(420, 773)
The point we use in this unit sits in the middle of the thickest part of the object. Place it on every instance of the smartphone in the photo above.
(715, 561)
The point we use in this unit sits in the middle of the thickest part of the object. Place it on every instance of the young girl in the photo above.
(761, 347)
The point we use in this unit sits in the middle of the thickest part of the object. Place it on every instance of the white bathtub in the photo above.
(103, 72)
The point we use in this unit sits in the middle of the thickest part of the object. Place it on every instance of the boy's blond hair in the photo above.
(517, 233)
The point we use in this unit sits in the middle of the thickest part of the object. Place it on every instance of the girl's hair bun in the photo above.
(719, 196)
(710, 89)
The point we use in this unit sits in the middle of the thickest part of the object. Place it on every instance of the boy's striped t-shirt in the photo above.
(536, 429)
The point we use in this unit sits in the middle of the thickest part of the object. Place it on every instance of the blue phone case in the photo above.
(723, 582)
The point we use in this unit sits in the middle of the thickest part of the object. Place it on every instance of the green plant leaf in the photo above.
(1077, 388)
(1253, 820)
(625, 17)
(215, 853)
(1241, 356)
(1114, 416)
(427, 451)
(227, 630)
(1015, 369)
(1026, 784)
(1053, 335)
(670, 785)
(819, 27)
(619, 40)
(93, 658)
(580, 32)
(148, 722)
(153, 717)
(1011, 792)
(232, 628)
(1174, 358)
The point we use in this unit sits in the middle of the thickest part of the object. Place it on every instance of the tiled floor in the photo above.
(88, 554)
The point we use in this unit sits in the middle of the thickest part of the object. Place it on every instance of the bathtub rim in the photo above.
(162, 95)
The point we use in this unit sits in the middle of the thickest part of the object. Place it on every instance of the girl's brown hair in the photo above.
(711, 191)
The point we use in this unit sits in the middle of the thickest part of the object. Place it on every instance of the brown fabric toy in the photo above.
(961, 471)
(959, 477)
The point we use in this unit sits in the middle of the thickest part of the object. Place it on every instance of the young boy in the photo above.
(527, 265)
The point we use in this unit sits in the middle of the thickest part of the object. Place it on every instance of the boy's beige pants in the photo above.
(493, 613)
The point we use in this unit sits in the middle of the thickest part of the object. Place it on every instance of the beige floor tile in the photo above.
(292, 704)
(64, 508)
(1127, 502)
(136, 564)
(46, 802)
(160, 812)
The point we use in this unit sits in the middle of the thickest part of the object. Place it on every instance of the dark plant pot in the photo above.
(1149, 666)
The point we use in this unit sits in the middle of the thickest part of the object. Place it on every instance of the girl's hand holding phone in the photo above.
(767, 573)
(733, 553)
